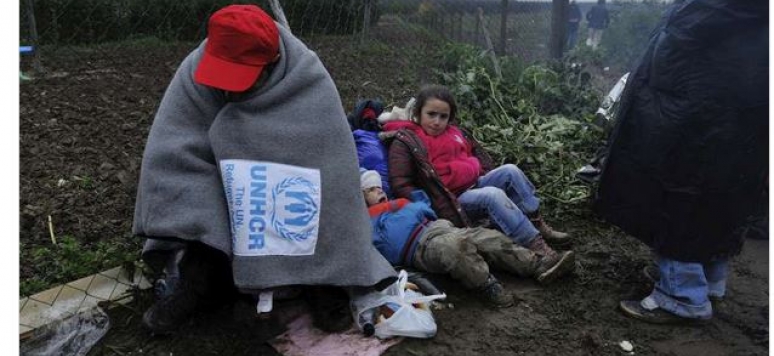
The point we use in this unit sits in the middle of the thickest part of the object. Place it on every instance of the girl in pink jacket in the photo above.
(503, 195)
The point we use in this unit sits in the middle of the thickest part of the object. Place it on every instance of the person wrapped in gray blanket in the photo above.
(251, 170)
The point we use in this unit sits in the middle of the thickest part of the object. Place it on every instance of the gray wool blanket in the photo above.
(269, 177)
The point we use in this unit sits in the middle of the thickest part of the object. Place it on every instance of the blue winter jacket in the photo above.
(396, 232)
(372, 155)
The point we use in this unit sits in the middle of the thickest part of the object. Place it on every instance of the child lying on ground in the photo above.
(408, 233)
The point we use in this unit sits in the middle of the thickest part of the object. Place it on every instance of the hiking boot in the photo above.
(495, 295)
(551, 265)
(168, 313)
(553, 237)
(656, 315)
(205, 281)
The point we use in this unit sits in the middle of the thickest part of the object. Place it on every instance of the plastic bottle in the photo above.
(367, 321)
(388, 309)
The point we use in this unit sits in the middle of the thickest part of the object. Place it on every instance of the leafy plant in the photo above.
(84, 182)
(70, 259)
(538, 117)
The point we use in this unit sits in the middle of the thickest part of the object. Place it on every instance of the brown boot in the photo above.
(551, 265)
(553, 237)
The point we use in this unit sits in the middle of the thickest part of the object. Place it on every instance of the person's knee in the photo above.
(510, 167)
(514, 172)
(494, 197)
(452, 250)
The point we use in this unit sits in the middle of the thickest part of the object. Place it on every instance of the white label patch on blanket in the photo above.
(274, 208)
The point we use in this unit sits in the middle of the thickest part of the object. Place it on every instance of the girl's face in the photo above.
(374, 195)
(434, 116)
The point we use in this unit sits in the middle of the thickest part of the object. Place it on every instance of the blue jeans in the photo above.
(685, 287)
(504, 195)
(572, 38)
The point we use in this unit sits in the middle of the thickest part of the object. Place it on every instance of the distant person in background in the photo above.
(598, 19)
(573, 22)
(688, 154)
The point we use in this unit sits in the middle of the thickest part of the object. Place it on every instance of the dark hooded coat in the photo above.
(688, 155)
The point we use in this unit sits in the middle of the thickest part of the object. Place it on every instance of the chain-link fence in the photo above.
(515, 28)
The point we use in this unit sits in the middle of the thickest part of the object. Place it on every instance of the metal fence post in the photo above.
(366, 21)
(503, 26)
(477, 39)
(36, 63)
(460, 18)
(558, 27)
(490, 47)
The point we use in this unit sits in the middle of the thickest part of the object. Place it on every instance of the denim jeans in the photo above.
(595, 36)
(572, 38)
(685, 287)
(504, 195)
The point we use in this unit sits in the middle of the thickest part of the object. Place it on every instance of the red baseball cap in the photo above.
(241, 41)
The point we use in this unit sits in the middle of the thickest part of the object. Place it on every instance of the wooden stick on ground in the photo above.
(51, 230)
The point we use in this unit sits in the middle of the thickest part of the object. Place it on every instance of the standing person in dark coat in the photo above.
(689, 152)
(573, 22)
(598, 19)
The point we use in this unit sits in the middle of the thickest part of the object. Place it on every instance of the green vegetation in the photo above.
(85, 182)
(69, 259)
(538, 117)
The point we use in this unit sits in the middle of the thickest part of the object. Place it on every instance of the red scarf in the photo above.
(390, 205)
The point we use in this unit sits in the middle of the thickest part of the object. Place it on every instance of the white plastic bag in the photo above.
(414, 317)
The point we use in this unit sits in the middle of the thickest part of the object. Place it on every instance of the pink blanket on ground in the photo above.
(303, 339)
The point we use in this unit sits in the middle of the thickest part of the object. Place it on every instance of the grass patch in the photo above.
(69, 260)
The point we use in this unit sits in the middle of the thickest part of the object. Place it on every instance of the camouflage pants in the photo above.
(466, 253)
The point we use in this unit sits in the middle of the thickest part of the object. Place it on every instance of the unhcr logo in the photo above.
(294, 208)
(274, 208)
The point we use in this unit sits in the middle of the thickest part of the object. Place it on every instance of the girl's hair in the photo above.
(435, 92)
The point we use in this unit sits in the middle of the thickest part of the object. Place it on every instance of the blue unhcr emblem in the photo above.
(295, 208)
(274, 208)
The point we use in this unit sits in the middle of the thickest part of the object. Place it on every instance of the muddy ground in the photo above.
(576, 316)
(83, 128)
